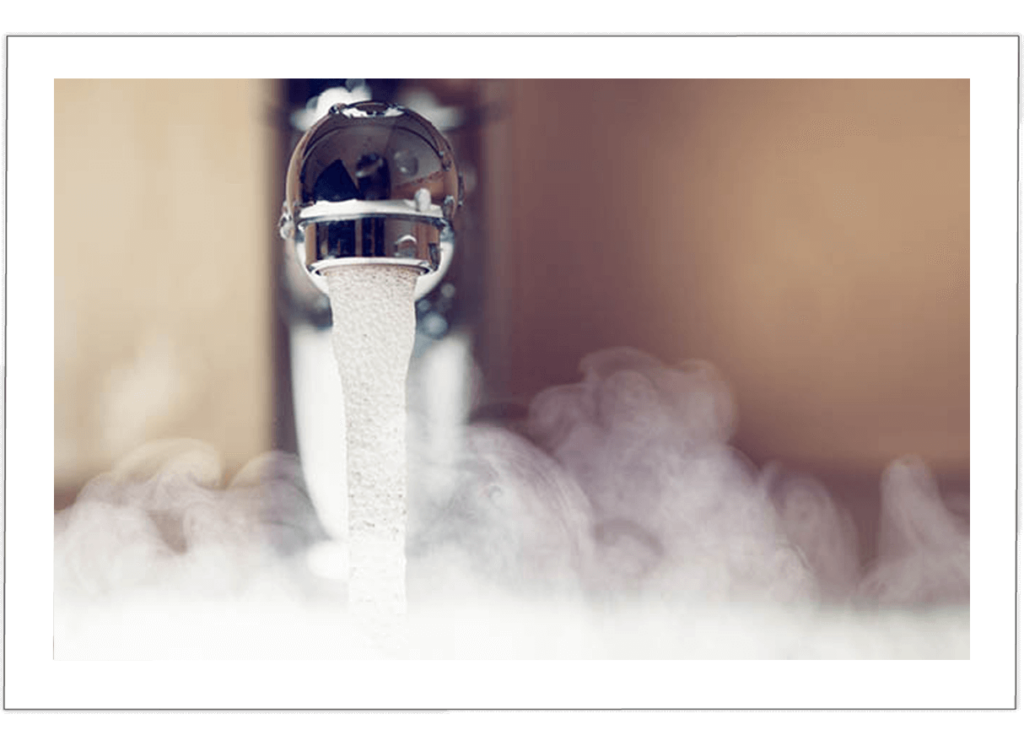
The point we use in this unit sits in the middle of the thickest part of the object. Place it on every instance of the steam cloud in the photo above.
(613, 519)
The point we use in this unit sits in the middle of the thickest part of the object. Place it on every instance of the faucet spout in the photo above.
(372, 183)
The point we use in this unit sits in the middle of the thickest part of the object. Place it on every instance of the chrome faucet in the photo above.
(367, 182)
(372, 183)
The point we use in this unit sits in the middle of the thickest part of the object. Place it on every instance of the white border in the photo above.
(34, 680)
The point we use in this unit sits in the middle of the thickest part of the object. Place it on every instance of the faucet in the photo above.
(372, 183)
(368, 183)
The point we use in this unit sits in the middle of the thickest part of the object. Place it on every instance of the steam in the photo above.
(612, 519)
(924, 551)
(163, 520)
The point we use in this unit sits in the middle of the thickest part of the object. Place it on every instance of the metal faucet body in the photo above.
(372, 183)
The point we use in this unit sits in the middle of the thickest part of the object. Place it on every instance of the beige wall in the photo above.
(811, 238)
(163, 227)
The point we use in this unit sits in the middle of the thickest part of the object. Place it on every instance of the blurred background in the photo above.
(810, 238)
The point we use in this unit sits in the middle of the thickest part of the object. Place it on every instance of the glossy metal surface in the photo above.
(372, 182)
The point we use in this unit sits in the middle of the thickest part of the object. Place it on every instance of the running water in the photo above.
(373, 333)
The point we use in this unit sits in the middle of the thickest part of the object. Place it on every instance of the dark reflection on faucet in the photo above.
(334, 185)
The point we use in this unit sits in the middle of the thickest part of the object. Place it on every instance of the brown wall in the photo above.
(810, 238)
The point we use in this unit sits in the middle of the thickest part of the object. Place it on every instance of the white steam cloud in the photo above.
(612, 520)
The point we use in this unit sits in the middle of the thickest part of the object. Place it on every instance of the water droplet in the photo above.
(284, 225)
(448, 208)
(405, 246)
(422, 199)
(434, 325)
(406, 163)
